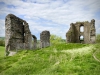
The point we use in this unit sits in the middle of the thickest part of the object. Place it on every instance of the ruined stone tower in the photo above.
(75, 35)
(17, 34)
(44, 39)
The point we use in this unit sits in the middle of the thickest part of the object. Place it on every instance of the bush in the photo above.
(98, 38)
(55, 39)
(2, 43)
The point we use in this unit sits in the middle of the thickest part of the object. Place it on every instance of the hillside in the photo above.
(59, 59)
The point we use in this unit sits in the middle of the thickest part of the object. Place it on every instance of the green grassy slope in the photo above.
(2, 51)
(60, 59)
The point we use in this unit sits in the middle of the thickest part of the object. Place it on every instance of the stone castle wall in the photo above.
(17, 34)
(74, 33)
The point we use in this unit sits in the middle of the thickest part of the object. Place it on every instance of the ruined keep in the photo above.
(75, 35)
(17, 34)
(44, 39)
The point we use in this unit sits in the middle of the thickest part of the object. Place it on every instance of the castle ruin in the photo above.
(17, 34)
(75, 35)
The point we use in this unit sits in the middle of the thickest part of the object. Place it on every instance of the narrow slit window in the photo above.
(24, 38)
(24, 34)
(23, 23)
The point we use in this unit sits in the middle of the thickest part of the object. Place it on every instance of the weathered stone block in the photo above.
(44, 39)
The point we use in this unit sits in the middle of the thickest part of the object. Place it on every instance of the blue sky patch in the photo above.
(10, 6)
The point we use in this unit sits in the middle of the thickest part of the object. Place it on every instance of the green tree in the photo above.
(55, 39)
(98, 38)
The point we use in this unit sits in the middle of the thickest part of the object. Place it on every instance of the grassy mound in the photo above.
(59, 59)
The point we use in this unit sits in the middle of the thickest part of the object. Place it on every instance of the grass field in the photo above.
(2, 51)
(59, 59)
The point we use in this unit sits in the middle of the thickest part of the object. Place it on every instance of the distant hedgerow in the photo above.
(2, 43)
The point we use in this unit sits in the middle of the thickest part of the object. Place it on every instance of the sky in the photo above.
(52, 15)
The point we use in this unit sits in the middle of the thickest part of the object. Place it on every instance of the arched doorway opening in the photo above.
(81, 39)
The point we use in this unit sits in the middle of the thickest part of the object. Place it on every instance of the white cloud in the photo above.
(59, 12)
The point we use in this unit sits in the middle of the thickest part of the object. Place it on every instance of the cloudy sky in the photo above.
(52, 15)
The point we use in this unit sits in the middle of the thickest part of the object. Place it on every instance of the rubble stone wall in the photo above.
(74, 33)
(17, 34)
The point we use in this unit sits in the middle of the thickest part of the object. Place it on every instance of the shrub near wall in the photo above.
(55, 39)
(98, 38)
(2, 43)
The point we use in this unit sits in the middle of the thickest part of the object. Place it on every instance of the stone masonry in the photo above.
(74, 33)
(34, 42)
(17, 34)
(44, 39)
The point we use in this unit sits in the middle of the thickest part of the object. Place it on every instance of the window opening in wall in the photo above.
(24, 34)
(81, 38)
(32, 40)
(23, 23)
(81, 28)
(24, 38)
